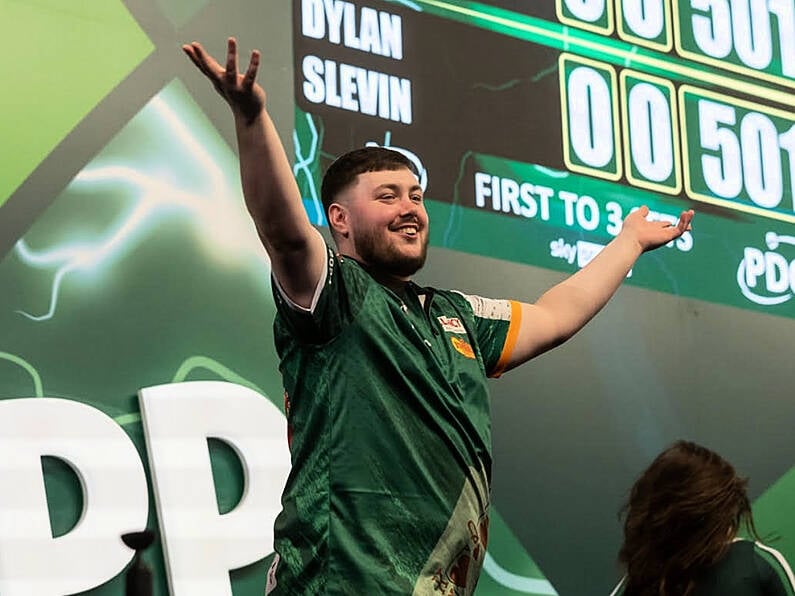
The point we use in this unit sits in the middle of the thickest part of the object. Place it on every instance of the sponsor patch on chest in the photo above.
(462, 347)
(451, 324)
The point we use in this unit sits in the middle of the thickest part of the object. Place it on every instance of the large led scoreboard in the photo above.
(544, 124)
(735, 153)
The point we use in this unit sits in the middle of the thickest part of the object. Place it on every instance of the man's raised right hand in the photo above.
(241, 91)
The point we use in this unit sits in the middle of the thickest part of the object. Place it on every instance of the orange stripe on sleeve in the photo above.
(510, 340)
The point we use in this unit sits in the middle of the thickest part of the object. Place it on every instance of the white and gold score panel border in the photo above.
(646, 23)
(738, 160)
(539, 32)
(743, 30)
(597, 114)
(750, 37)
(746, 151)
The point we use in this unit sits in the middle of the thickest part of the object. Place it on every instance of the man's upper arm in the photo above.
(538, 332)
(298, 269)
(496, 325)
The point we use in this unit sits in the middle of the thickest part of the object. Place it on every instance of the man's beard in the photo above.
(383, 256)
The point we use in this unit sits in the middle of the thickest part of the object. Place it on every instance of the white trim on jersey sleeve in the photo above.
(618, 587)
(781, 561)
(488, 308)
(318, 289)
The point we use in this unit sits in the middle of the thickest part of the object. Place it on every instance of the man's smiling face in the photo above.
(385, 225)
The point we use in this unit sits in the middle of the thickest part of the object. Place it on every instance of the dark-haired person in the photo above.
(681, 532)
(385, 381)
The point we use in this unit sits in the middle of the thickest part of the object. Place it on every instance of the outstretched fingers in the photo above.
(656, 233)
(251, 72)
(191, 51)
(240, 91)
(203, 61)
(683, 225)
(684, 220)
(231, 61)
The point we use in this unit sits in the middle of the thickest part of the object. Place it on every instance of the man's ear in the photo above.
(338, 219)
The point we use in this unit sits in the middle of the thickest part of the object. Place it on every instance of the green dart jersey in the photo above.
(388, 422)
(748, 569)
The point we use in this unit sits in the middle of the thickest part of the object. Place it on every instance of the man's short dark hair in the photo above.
(344, 170)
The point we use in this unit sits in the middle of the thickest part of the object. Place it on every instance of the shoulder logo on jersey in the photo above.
(451, 324)
(462, 347)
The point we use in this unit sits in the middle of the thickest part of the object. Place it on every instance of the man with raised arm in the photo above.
(385, 381)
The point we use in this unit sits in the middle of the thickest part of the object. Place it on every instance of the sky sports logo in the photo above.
(767, 277)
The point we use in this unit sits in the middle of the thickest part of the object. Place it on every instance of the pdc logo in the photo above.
(767, 277)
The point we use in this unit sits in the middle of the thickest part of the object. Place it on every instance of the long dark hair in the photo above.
(681, 516)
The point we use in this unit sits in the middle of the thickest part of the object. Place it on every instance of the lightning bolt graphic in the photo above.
(28, 368)
(302, 165)
(221, 224)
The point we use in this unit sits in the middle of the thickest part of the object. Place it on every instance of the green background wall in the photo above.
(121, 220)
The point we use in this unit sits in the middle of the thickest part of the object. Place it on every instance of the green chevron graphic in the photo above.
(63, 58)
(508, 569)
(180, 12)
(773, 514)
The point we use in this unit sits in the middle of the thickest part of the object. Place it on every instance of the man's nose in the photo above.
(408, 205)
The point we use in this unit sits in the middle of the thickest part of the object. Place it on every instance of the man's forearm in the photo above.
(576, 300)
(271, 193)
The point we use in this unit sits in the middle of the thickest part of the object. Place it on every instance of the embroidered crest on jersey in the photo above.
(456, 579)
(451, 324)
(454, 564)
(462, 347)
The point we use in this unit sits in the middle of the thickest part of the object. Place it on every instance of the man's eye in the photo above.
(417, 198)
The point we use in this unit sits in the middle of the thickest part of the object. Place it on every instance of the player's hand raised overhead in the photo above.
(241, 91)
